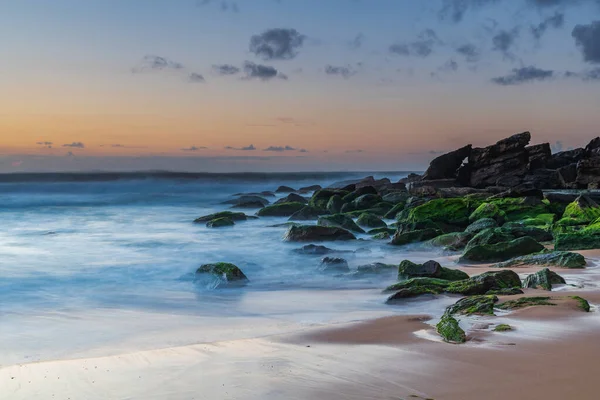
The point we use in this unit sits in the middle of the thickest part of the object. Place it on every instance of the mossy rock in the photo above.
(340, 221)
(227, 274)
(558, 259)
(583, 209)
(543, 279)
(502, 328)
(453, 212)
(292, 198)
(454, 241)
(431, 269)
(280, 210)
(315, 233)
(541, 235)
(335, 204)
(449, 329)
(420, 235)
(524, 302)
(350, 197)
(306, 213)
(431, 284)
(375, 268)
(480, 225)
(375, 231)
(484, 283)
(410, 292)
(370, 221)
(321, 197)
(488, 211)
(489, 236)
(234, 216)
(479, 305)
(381, 236)
(582, 303)
(450, 274)
(505, 292)
(519, 208)
(577, 241)
(502, 251)
(220, 222)
(542, 220)
(364, 202)
(395, 210)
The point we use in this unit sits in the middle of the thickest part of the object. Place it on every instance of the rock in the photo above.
(306, 213)
(248, 202)
(382, 236)
(454, 241)
(524, 302)
(501, 251)
(484, 283)
(312, 188)
(564, 158)
(521, 207)
(363, 202)
(502, 328)
(582, 303)
(592, 148)
(394, 211)
(577, 241)
(350, 197)
(285, 189)
(375, 231)
(588, 172)
(265, 193)
(519, 191)
(334, 264)
(396, 197)
(419, 235)
(543, 279)
(321, 197)
(507, 159)
(412, 177)
(335, 204)
(567, 175)
(226, 274)
(538, 155)
(427, 285)
(450, 330)
(340, 221)
(445, 166)
(408, 293)
(480, 225)
(370, 221)
(543, 178)
(430, 269)
(280, 210)
(488, 211)
(444, 212)
(432, 186)
(505, 292)
(584, 210)
(313, 249)
(292, 198)
(479, 305)
(220, 222)
(558, 259)
(371, 181)
(374, 268)
(235, 216)
(315, 233)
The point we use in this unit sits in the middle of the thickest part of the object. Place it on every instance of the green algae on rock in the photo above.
(452, 211)
(502, 328)
(428, 284)
(321, 197)
(543, 279)
(315, 233)
(501, 251)
(280, 210)
(306, 213)
(524, 302)
(558, 259)
(340, 221)
(577, 241)
(582, 303)
(479, 305)
(228, 274)
(454, 241)
(431, 269)
(450, 330)
(235, 216)
(335, 204)
(488, 211)
(220, 222)
(480, 225)
(484, 283)
(369, 220)
(419, 235)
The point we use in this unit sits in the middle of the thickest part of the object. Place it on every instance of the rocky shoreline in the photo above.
(496, 205)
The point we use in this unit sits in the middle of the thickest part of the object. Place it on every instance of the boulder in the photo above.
(235, 216)
(479, 305)
(557, 259)
(334, 264)
(450, 330)
(312, 249)
(577, 241)
(583, 209)
(567, 175)
(315, 233)
(412, 177)
(395, 197)
(419, 235)
(454, 241)
(538, 155)
(364, 202)
(488, 211)
(224, 274)
(480, 225)
(350, 197)
(292, 198)
(394, 211)
(306, 213)
(340, 221)
(501, 251)
(285, 189)
(524, 302)
(447, 213)
(592, 148)
(280, 210)
(427, 285)
(335, 204)
(484, 283)
(311, 188)
(370, 221)
(431, 269)
(543, 279)
(543, 178)
(321, 197)
(588, 172)
(374, 268)
(248, 201)
(446, 165)
(220, 222)
(506, 160)
(564, 158)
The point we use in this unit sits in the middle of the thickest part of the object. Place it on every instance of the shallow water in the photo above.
(104, 262)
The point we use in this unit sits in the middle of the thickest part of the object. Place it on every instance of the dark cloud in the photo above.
(357, 42)
(355, 151)
(280, 148)
(277, 44)
(303, 151)
(262, 72)
(449, 66)
(345, 72)
(226, 69)
(78, 145)
(455, 10)
(555, 21)
(224, 5)
(503, 42)
(196, 78)
(524, 75)
(469, 51)
(587, 38)
(589, 75)
(193, 148)
(45, 144)
(156, 63)
(246, 148)
(70, 154)
(422, 47)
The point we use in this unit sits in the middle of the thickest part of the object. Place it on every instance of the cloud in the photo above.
(449, 66)
(503, 41)
(422, 47)
(196, 78)
(226, 69)
(469, 51)
(280, 148)
(246, 148)
(45, 144)
(357, 42)
(587, 38)
(455, 10)
(303, 151)
(524, 75)
(70, 154)
(193, 148)
(77, 145)
(589, 75)
(277, 44)
(224, 5)
(156, 63)
(345, 72)
(555, 21)
(262, 72)
(355, 151)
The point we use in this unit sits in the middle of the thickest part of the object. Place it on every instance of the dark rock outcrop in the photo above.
(588, 173)
(307, 213)
(538, 155)
(564, 158)
(316, 233)
(543, 279)
(446, 165)
(285, 189)
(292, 198)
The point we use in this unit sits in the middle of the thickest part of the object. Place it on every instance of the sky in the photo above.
(289, 85)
